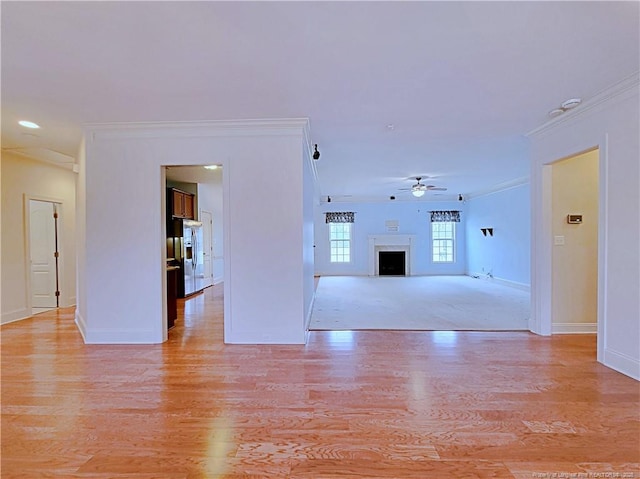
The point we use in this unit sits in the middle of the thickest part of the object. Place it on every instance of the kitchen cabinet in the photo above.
(180, 204)
(188, 206)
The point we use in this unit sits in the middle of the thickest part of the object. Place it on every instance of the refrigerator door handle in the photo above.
(194, 240)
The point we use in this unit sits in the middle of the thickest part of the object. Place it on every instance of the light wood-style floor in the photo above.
(371, 404)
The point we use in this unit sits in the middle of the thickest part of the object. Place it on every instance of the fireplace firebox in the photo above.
(391, 263)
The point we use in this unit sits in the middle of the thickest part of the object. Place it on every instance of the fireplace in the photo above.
(403, 244)
(391, 263)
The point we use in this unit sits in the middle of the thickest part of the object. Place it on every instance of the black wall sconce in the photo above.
(487, 230)
(316, 153)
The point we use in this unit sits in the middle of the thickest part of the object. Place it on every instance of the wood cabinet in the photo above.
(188, 206)
(180, 204)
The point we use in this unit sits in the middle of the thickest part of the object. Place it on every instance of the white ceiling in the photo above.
(461, 82)
(193, 174)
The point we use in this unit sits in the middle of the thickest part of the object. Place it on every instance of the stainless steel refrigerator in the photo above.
(193, 259)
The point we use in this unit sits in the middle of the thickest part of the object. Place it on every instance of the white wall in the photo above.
(309, 175)
(413, 219)
(26, 178)
(210, 199)
(506, 254)
(609, 121)
(263, 228)
(81, 236)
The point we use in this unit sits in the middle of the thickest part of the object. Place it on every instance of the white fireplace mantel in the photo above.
(379, 243)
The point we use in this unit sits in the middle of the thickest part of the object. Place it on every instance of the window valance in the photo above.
(445, 216)
(340, 217)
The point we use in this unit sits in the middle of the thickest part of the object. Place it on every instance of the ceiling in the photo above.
(193, 174)
(392, 89)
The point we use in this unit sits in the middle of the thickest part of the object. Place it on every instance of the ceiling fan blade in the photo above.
(435, 188)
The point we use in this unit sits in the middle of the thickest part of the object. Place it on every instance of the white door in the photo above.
(42, 246)
(207, 246)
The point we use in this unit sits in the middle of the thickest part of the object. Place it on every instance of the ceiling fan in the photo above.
(419, 189)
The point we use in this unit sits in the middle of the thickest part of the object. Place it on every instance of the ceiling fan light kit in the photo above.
(419, 189)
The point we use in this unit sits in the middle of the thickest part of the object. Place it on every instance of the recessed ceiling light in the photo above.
(212, 167)
(571, 103)
(391, 126)
(28, 124)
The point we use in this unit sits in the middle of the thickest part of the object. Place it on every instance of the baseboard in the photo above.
(504, 282)
(257, 337)
(119, 336)
(308, 318)
(82, 325)
(218, 280)
(319, 275)
(71, 301)
(574, 328)
(15, 315)
(622, 363)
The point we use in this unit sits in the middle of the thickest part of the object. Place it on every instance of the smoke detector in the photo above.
(565, 106)
(571, 103)
(556, 112)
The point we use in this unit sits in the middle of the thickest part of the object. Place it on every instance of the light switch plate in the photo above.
(558, 240)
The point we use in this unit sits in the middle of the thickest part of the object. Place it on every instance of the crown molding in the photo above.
(506, 185)
(617, 89)
(45, 155)
(385, 199)
(190, 129)
(306, 145)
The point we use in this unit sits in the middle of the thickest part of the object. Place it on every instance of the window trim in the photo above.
(350, 240)
(453, 239)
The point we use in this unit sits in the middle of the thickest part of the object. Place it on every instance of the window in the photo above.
(443, 235)
(340, 242)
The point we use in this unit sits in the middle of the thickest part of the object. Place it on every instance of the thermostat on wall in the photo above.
(574, 219)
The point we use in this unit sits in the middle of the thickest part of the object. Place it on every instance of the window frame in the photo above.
(349, 240)
(451, 239)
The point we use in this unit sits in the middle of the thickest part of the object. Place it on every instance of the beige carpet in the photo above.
(431, 303)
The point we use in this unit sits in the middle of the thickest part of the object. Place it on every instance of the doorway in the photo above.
(44, 256)
(574, 227)
(204, 182)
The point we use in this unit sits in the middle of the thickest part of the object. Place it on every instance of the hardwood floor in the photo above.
(371, 404)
